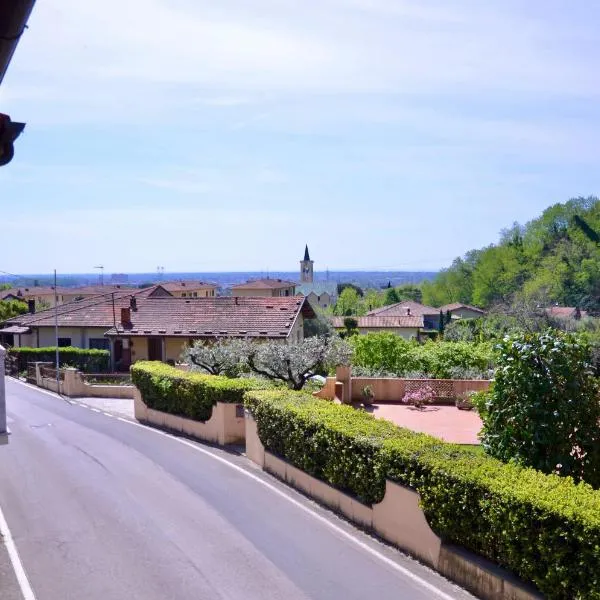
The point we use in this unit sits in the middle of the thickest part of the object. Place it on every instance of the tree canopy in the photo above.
(552, 259)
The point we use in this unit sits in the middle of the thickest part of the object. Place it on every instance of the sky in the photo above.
(223, 136)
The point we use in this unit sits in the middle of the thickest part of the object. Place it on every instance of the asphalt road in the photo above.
(102, 509)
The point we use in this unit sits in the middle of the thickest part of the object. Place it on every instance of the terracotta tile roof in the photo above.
(95, 290)
(184, 286)
(564, 312)
(261, 284)
(39, 290)
(404, 308)
(382, 322)
(459, 305)
(180, 317)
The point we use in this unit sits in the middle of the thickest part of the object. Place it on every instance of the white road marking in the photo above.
(340, 531)
(13, 554)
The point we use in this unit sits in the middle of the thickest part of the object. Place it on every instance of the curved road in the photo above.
(101, 508)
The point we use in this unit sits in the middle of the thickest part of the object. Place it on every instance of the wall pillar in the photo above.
(344, 375)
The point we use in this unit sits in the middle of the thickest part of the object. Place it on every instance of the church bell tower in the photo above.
(306, 268)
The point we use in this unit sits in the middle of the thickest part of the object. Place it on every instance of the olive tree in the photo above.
(223, 357)
(292, 364)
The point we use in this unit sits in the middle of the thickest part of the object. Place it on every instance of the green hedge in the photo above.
(89, 361)
(187, 394)
(543, 527)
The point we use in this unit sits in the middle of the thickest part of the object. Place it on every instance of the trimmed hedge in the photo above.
(88, 361)
(187, 394)
(544, 528)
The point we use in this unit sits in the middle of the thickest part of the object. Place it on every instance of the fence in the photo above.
(106, 378)
(50, 373)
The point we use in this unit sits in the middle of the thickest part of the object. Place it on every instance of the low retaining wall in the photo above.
(392, 389)
(73, 385)
(225, 426)
(397, 519)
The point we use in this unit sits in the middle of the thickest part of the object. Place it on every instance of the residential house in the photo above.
(266, 288)
(458, 310)
(409, 308)
(566, 312)
(44, 296)
(190, 289)
(408, 326)
(147, 325)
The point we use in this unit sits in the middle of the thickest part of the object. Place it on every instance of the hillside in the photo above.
(552, 259)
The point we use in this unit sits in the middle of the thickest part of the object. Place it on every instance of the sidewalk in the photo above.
(122, 407)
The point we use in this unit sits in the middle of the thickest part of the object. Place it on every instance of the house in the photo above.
(266, 288)
(408, 308)
(318, 293)
(44, 296)
(147, 325)
(407, 326)
(565, 312)
(458, 310)
(190, 289)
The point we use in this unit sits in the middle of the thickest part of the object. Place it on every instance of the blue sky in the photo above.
(211, 136)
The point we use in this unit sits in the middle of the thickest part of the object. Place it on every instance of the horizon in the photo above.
(386, 135)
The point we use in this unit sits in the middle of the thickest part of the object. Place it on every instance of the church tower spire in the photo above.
(306, 267)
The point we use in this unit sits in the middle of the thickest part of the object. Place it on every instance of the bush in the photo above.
(544, 410)
(88, 361)
(543, 527)
(190, 395)
(438, 360)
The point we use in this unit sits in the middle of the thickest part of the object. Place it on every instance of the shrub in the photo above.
(88, 361)
(543, 527)
(544, 411)
(439, 360)
(190, 395)
(418, 398)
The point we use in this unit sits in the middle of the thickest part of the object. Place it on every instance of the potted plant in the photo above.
(419, 397)
(368, 395)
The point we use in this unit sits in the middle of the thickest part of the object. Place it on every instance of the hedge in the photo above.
(544, 528)
(187, 394)
(89, 361)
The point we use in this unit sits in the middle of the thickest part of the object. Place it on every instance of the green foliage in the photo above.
(544, 410)
(11, 308)
(349, 303)
(349, 286)
(553, 259)
(542, 527)
(190, 395)
(391, 353)
(391, 297)
(88, 361)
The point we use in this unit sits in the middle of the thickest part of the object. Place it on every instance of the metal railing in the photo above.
(50, 373)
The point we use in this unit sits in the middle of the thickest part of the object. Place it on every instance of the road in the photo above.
(101, 508)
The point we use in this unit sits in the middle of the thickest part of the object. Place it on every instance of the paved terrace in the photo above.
(445, 422)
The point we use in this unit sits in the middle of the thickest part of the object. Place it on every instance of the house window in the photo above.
(195, 294)
(64, 342)
(99, 344)
(183, 294)
(287, 292)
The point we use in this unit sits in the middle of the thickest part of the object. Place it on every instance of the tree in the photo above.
(543, 410)
(348, 303)
(319, 325)
(343, 286)
(441, 323)
(223, 357)
(294, 364)
(391, 297)
(11, 308)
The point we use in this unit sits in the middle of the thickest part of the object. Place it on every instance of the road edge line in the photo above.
(15, 559)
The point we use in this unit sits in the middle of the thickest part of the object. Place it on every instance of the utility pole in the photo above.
(56, 334)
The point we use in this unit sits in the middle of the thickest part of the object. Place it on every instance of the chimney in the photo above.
(31, 306)
(125, 316)
(408, 311)
(133, 303)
